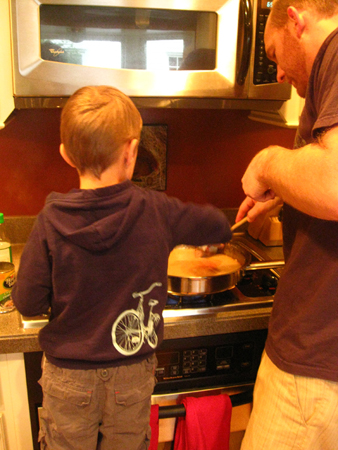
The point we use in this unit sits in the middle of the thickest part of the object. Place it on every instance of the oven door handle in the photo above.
(172, 411)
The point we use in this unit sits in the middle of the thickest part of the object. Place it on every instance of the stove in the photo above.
(212, 357)
(216, 341)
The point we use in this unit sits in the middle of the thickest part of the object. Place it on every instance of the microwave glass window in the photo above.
(128, 38)
(165, 54)
(86, 53)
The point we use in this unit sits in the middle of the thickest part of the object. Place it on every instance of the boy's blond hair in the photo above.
(95, 122)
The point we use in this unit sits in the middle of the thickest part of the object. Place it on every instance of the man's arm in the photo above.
(305, 178)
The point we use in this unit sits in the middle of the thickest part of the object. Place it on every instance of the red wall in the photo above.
(208, 151)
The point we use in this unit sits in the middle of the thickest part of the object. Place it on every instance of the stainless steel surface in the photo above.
(241, 303)
(265, 265)
(257, 249)
(35, 78)
(171, 398)
(34, 322)
(170, 404)
(161, 102)
(212, 284)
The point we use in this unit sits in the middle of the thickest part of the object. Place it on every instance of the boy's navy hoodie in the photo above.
(89, 255)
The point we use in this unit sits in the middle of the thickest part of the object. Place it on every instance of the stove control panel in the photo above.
(213, 360)
(194, 361)
(232, 357)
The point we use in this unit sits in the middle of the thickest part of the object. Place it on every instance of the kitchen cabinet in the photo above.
(15, 426)
(6, 80)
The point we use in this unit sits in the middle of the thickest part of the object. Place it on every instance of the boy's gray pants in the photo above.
(96, 409)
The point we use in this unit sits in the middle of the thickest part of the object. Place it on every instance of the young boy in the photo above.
(95, 253)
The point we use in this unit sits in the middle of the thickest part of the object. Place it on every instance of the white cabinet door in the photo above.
(2, 433)
(14, 408)
(6, 80)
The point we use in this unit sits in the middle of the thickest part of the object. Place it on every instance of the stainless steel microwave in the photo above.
(163, 51)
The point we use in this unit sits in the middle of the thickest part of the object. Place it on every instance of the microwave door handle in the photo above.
(245, 12)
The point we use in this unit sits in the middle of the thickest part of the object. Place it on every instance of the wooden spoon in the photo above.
(238, 224)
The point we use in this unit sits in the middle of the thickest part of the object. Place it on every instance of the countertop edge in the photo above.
(26, 340)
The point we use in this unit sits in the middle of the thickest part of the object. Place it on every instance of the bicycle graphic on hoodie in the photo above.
(129, 330)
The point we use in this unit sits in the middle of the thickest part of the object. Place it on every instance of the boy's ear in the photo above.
(131, 151)
(65, 156)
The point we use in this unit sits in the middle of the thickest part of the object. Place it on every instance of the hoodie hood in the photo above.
(95, 219)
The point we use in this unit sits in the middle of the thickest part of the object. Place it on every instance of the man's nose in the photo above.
(281, 76)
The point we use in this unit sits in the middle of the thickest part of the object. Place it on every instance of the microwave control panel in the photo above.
(265, 71)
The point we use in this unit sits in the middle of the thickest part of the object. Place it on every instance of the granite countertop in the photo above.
(13, 337)
(16, 339)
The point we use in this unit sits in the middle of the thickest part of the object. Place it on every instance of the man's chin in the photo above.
(300, 90)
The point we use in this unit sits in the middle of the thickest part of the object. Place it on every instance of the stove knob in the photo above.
(247, 278)
(269, 283)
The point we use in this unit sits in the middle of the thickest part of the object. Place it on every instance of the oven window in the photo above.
(128, 38)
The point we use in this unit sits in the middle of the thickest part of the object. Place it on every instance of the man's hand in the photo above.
(253, 180)
(253, 209)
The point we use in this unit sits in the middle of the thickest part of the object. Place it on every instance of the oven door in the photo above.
(207, 365)
(170, 409)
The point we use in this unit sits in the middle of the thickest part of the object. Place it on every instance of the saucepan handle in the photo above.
(272, 264)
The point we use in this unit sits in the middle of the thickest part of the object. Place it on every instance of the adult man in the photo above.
(296, 393)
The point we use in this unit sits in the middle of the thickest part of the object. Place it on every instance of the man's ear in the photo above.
(297, 19)
(65, 156)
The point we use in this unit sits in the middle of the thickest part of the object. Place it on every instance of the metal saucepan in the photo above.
(219, 283)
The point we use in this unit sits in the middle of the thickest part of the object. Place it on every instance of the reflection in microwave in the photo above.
(128, 38)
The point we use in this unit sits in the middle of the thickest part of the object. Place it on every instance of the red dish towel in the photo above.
(206, 425)
(154, 427)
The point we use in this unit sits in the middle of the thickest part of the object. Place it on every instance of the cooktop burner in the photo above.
(258, 283)
(253, 285)
(200, 301)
